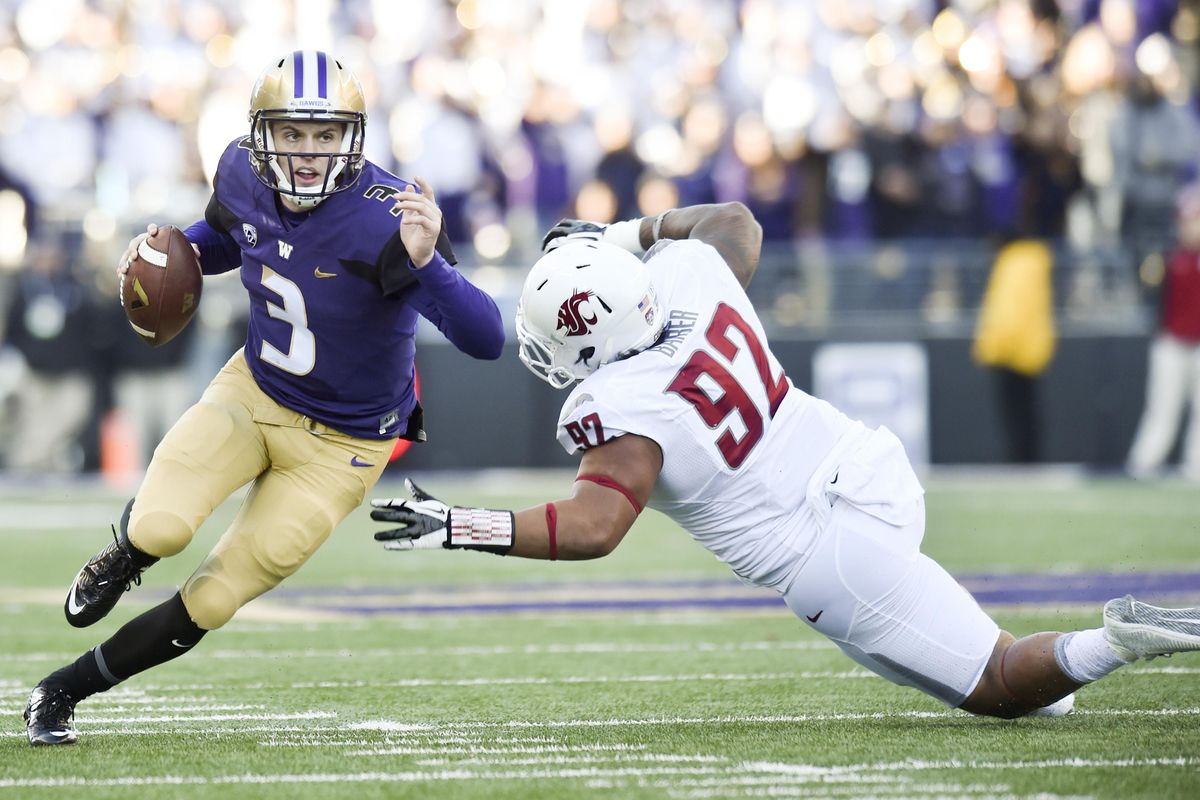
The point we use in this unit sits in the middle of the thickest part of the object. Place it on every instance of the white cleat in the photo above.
(1059, 708)
(1134, 629)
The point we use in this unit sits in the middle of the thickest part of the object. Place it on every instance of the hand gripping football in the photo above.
(161, 288)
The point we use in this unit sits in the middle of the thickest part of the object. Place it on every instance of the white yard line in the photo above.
(477, 750)
(813, 772)
(15, 690)
(359, 777)
(421, 683)
(1051, 763)
(332, 736)
(667, 758)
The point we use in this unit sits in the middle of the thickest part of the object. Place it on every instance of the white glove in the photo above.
(625, 234)
(427, 524)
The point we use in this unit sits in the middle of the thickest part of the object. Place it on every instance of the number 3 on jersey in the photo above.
(734, 398)
(301, 355)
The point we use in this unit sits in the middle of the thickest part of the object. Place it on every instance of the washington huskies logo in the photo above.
(576, 314)
(251, 233)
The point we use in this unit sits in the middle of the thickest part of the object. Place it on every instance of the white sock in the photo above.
(1084, 656)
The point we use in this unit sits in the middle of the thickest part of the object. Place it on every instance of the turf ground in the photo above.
(648, 674)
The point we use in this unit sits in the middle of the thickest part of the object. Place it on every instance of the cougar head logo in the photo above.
(571, 314)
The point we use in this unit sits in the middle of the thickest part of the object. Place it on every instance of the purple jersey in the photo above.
(334, 299)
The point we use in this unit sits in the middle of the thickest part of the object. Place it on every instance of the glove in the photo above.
(625, 234)
(427, 523)
(572, 230)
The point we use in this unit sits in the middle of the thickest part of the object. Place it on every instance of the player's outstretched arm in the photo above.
(613, 485)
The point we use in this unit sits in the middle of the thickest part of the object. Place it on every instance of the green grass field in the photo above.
(379, 675)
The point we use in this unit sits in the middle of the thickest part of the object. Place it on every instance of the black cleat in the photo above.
(104, 578)
(48, 716)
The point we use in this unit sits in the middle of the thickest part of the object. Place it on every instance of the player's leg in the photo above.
(291, 510)
(900, 614)
(159, 635)
(1024, 673)
(868, 588)
(1020, 677)
(214, 448)
(1165, 396)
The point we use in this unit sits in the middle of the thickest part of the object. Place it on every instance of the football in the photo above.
(161, 289)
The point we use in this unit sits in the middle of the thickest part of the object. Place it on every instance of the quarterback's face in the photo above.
(315, 139)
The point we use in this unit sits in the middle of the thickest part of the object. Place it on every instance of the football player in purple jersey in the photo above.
(678, 403)
(339, 259)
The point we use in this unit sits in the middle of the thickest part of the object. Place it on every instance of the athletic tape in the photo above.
(609, 483)
(552, 529)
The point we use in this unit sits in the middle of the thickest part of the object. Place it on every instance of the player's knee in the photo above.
(160, 533)
(209, 602)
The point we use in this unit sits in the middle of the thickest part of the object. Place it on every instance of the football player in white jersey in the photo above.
(680, 405)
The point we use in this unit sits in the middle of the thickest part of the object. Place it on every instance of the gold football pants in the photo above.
(306, 478)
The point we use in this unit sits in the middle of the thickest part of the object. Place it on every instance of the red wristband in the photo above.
(609, 483)
(552, 529)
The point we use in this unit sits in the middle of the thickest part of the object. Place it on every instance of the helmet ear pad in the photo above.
(585, 304)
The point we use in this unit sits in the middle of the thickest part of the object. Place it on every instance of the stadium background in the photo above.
(887, 146)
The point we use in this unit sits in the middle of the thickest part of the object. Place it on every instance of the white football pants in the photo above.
(869, 588)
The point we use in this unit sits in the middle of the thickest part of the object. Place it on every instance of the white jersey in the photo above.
(740, 444)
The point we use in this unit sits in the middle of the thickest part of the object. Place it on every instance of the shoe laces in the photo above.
(55, 707)
(122, 570)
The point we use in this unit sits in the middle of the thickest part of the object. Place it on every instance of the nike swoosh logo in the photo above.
(182, 645)
(813, 619)
(357, 462)
(317, 272)
(836, 475)
(74, 607)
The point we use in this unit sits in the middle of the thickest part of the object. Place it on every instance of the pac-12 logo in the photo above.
(576, 314)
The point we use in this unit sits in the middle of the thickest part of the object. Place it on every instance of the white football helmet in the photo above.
(307, 86)
(585, 304)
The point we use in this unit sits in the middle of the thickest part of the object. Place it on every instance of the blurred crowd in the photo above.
(843, 122)
(859, 119)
